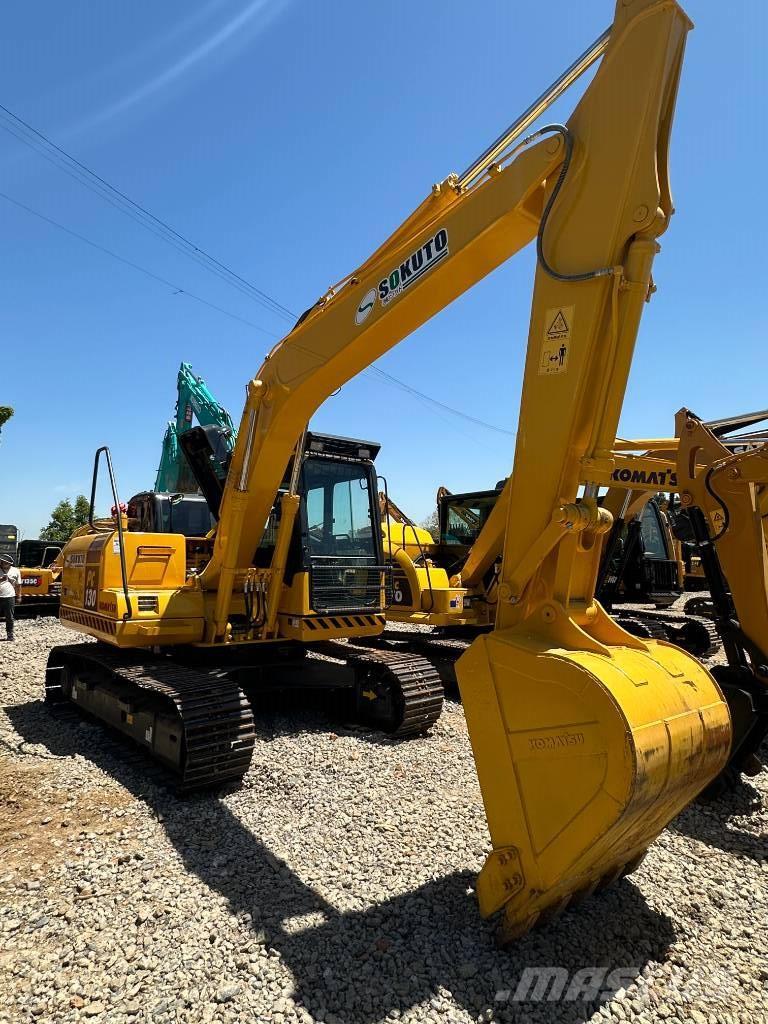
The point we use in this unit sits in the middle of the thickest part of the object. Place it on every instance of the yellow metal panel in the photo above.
(93, 600)
(583, 757)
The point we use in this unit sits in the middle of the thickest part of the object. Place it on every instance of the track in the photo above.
(397, 691)
(198, 724)
(695, 634)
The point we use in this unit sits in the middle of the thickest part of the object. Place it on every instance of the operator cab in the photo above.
(462, 517)
(341, 542)
(9, 538)
(654, 575)
(336, 538)
(160, 512)
(644, 567)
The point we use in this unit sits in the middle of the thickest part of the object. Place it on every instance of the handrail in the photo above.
(118, 517)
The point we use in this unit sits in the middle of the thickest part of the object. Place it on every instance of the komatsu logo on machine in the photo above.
(414, 267)
(660, 478)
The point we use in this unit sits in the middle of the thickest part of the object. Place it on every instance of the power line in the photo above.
(177, 289)
(441, 405)
(55, 155)
(99, 186)
(95, 183)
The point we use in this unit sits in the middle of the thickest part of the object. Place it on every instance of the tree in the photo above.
(66, 518)
(5, 414)
(432, 525)
(82, 510)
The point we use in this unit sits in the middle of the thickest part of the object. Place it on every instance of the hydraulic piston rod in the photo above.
(536, 109)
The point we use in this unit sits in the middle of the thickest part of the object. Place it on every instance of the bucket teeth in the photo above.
(583, 757)
(510, 930)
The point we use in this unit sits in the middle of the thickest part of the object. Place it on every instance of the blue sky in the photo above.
(288, 138)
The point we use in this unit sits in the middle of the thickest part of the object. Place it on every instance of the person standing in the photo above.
(10, 592)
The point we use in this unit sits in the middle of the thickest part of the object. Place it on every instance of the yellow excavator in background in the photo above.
(722, 482)
(587, 740)
(452, 583)
(39, 564)
(427, 584)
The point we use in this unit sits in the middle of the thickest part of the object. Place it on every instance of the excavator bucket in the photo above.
(585, 750)
(587, 740)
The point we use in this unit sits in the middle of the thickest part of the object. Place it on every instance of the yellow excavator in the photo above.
(452, 584)
(133, 582)
(587, 740)
(722, 482)
(40, 570)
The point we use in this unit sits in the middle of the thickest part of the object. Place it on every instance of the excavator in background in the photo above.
(587, 740)
(721, 478)
(40, 564)
(645, 566)
(39, 569)
(734, 572)
(695, 575)
(194, 399)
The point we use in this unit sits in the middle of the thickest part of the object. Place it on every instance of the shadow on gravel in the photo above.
(357, 966)
(712, 822)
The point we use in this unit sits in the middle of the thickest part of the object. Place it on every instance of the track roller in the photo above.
(700, 606)
(401, 694)
(697, 636)
(197, 724)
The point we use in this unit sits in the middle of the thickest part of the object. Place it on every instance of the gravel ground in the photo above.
(334, 886)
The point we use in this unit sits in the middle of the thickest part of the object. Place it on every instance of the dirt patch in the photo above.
(40, 819)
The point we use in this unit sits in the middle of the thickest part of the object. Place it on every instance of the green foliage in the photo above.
(5, 414)
(66, 518)
(82, 509)
(432, 525)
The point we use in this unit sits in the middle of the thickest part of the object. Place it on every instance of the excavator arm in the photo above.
(455, 238)
(722, 481)
(587, 740)
(193, 399)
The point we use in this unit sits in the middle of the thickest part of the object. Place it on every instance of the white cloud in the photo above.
(249, 23)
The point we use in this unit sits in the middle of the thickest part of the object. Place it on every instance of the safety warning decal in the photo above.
(717, 518)
(558, 327)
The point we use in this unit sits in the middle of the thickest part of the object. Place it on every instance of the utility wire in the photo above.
(441, 405)
(177, 289)
(376, 371)
(89, 179)
(35, 139)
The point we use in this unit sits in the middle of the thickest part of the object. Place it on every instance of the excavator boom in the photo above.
(587, 740)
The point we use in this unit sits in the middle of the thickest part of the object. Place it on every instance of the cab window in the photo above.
(654, 544)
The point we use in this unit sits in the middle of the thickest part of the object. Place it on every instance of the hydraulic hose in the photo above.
(720, 502)
(589, 275)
